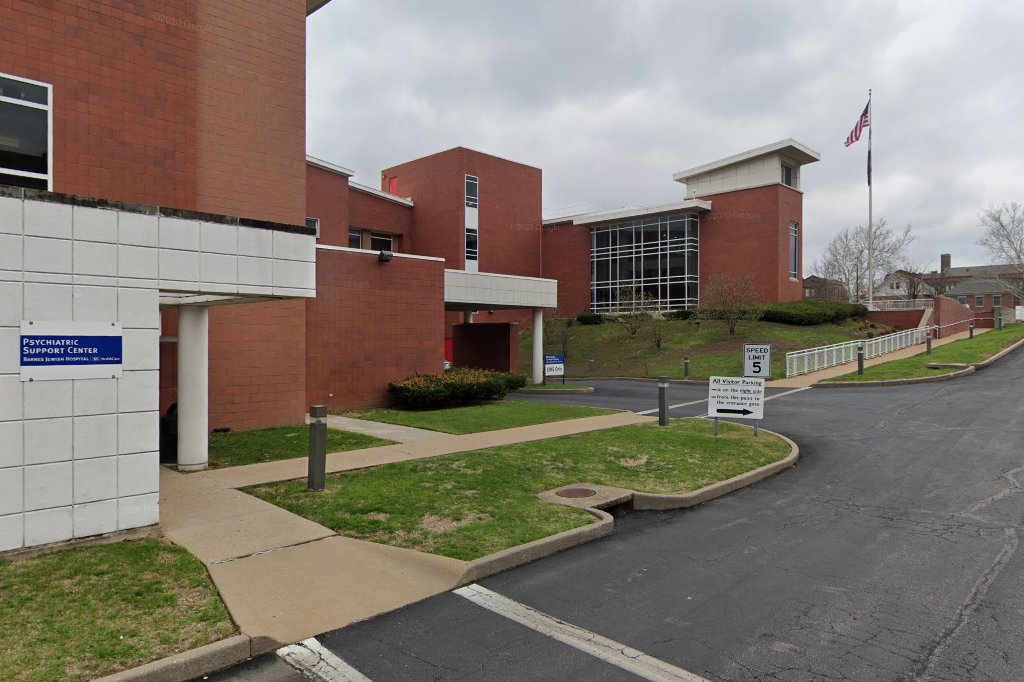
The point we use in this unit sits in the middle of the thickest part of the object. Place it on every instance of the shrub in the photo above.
(809, 313)
(590, 318)
(455, 387)
(679, 315)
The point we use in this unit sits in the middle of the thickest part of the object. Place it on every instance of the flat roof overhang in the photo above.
(617, 215)
(468, 291)
(798, 152)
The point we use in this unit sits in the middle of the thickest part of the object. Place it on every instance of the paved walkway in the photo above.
(399, 434)
(839, 370)
(285, 578)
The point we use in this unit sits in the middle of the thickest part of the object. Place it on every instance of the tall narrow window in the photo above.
(472, 222)
(25, 126)
(794, 249)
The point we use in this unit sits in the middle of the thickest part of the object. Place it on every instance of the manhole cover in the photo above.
(576, 492)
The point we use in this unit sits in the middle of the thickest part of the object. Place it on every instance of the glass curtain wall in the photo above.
(657, 256)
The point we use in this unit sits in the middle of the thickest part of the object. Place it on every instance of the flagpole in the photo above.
(871, 224)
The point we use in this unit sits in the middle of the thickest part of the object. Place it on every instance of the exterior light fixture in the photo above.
(384, 257)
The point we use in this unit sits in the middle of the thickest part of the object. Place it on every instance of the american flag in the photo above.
(863, 122)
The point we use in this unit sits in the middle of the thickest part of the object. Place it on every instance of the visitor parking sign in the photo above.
(70, 350)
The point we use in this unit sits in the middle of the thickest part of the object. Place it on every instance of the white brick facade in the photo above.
(80, 457)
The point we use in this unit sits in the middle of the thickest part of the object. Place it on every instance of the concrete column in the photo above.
(193, 387)
(467, 317)
(538, 345)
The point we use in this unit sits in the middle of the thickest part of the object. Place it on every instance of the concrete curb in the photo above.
(190, 664)
(969, 369)
(538, 549)
(557, 391)
(649, 501)
(896, 382)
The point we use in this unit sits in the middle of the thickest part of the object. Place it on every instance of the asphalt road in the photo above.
(890, 552)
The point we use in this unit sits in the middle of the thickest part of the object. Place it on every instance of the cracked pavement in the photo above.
(890, 552)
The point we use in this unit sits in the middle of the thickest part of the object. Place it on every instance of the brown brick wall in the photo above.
(374, 214)
(327, 199)
(566, 249)
(948, 312)
(257, 364)
(193, 104)
(903, 319)
(370, 324)
(747, 232)
(510, 209)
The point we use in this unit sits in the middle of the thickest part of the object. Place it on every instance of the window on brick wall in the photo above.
(315, 224)
(997, 300)
(355, 239)
(381, 242)
(472, 225)
(979, 301)
(794, 249)
(26, 125)
(962, 300)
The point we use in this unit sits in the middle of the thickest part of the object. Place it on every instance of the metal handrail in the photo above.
(904, 304)
(814, 359)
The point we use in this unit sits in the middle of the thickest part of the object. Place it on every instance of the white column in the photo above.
(193, 387)
(467, 317)
(538, 345)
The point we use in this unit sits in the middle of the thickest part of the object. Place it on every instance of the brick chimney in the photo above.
(944, 262)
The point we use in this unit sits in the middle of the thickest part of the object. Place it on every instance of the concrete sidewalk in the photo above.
(814, 377)
(285, 578)
(395, 432)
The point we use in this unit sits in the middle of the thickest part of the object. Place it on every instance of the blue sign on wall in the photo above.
(70, 350)
(554, 359)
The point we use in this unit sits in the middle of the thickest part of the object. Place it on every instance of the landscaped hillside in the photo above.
(711, 349)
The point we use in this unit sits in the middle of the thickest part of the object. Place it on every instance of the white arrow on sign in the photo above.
(736, 397)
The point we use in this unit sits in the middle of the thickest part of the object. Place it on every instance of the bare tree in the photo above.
(729, 298)
(634, 307)
(558, 330)
(847, 255)
(657, 327)
(1003, 242)
(914, 278)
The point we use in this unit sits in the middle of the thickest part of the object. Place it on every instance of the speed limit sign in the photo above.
(757, 361)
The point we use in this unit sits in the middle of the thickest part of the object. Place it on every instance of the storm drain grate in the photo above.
(576, 492)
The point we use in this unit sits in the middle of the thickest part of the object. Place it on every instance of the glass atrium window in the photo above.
(657, 256)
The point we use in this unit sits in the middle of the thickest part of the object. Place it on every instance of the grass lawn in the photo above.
(965, 352)
(237, 448)
(82, 613)
(712, 351)
(472, 504)
(504, 414)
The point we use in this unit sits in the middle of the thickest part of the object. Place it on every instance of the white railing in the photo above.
(811, 360)
(906, 304)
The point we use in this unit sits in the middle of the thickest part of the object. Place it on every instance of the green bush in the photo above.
(810, 313)
(590, 318)
(458, 386)
(679, 315)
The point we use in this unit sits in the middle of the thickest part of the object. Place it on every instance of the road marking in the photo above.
(317, 662)
(698, 402)
(672, 407)
(619, 655)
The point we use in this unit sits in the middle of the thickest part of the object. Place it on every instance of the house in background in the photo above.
(903, 284)
(822, 290)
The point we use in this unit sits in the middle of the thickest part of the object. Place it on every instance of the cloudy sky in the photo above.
(610, 98)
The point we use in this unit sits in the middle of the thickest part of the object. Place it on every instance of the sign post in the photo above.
(736, 397)
(554, 366)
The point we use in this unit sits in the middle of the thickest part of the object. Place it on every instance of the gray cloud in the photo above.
(610, 98)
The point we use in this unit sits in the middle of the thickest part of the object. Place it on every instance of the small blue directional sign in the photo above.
(554, 365)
